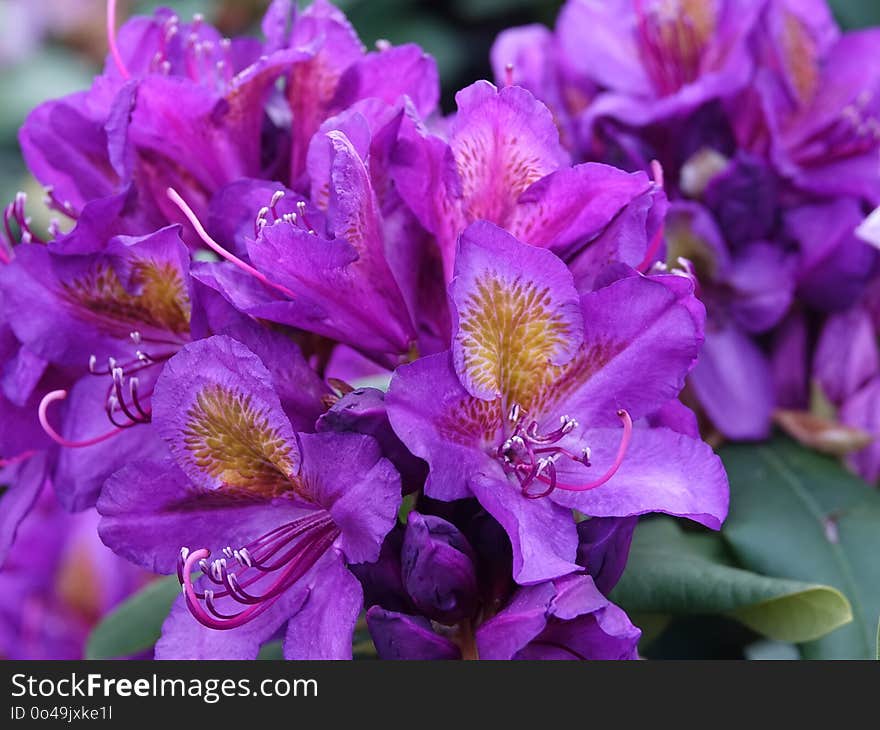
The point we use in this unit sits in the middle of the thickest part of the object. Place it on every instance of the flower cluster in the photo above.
(764, 119)
(337, 360)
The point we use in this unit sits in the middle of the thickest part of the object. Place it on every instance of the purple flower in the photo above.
(308, 265)
(57, 582)
(746, 292)
(501, 161)
(814, 107)
(221, 98)
(529, 396)
(283, 512)
(649, 61)
(112, 317)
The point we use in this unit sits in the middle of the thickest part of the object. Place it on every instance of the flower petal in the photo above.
(216, 407)
(662, 471)
(516, 313)
(323, 627)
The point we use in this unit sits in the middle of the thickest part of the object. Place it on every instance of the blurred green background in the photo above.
(52, 47)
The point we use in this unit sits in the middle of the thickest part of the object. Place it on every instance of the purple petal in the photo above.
(862, 411)
(185, 638)
(441, 423)
(516, 313)
(734, 384)
(150, 511)
(349, 477)
(398, 636)
(604, 548)
(542, 534)
(641, 339)
(846, 356)
(662, 471)
(323, 627)
(216, 407)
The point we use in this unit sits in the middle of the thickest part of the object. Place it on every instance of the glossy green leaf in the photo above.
(672, 572)
(802, 516)
(136, 624)
(272, 651)
(856, 13)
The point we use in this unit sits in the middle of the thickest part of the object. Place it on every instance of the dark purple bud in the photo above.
(744, 200)
(381, 580)
(398, 636)
(438, 569)
(363, 411)
(604, 548)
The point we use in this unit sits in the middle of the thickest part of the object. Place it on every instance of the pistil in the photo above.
(532, 456)
(261, 575)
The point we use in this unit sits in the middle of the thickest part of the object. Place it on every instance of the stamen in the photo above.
(218, 249)
(508, 75)
(16, 211)
(318, 534)
(657, 240)
(62, 206)
(57, 395)
(612, 470)
(111, 40)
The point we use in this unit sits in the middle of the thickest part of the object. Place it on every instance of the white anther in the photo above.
(245, 558)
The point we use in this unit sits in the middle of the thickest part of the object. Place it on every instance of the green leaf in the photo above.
(802, 516)
(272, 651)
(670, 572)
(856, 13)
(136, 624)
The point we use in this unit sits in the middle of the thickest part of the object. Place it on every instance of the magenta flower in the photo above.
(501, 160)
(527, 400)
(282, 512)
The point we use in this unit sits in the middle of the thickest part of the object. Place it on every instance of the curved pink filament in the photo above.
(295, 570)
(217, 248)
(24, 456)
(651, 253)
(657, 240)
(612, 470)
(657, 172)
(111, 40)
(50, 398)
